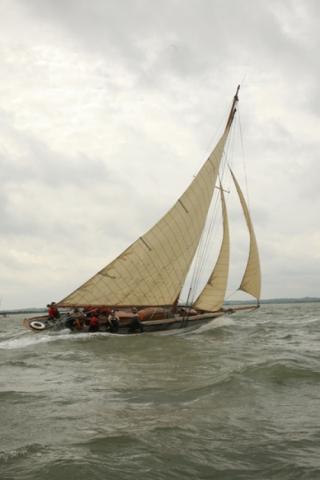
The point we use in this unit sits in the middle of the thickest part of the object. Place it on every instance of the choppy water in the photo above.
(238, 399)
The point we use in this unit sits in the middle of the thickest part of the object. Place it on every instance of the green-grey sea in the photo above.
(236, 399)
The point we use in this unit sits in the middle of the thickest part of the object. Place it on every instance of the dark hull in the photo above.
(41, 324)
(172, 323)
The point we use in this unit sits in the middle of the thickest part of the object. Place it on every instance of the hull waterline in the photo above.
(41, 323)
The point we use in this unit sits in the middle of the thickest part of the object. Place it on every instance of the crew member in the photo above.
(113, 322)
(53, 312)
(135, 323)
(69, 323)
(93, 323)
(78, 319)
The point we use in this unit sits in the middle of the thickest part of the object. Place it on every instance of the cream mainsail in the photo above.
(212, 296)
(251, 280)
(153, 269)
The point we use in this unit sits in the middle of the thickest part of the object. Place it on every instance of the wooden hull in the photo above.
(41, 323)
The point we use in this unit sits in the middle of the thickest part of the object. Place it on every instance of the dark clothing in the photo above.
(113, 323)
(69, 323)
(135, 324)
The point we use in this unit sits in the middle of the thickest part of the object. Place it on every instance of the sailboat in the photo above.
(150, 274)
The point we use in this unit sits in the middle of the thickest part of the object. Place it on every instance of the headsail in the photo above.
(213, 294)
(251, 281)
(152, 270)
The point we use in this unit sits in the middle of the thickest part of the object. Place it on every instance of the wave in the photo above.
(23, 340)
(282, 371)
(220, 322)
(26, 339)
(18, 453)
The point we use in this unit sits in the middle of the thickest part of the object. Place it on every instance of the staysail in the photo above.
(212, 296)
(152, 270)
(251, 280)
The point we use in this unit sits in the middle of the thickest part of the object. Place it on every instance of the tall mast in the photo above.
(233, 109)
(226, 132)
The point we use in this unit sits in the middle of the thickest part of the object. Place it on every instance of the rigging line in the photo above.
(202, 254)
(232, 142)
(198, 266)
(192, 270)
(193, 282)
(244, 161)
(232, 293)
(221, 176)
(196, 263)
(192, 204)
(212, 142)
(229, 147)
(204, 242)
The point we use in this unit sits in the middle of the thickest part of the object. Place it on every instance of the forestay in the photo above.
(213, 294)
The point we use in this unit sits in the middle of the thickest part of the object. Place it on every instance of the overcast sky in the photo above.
(109, 107)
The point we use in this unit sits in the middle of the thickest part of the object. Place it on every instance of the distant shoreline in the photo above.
(266, 301)
(276, 301)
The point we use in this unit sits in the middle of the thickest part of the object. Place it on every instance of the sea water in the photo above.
(237, 399)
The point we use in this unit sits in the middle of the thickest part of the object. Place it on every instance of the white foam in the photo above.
(216, 323)
(28, 340)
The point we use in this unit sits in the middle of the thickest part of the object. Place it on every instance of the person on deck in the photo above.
(78, 319)
(113, 322)
(94, 323)
(53, 312)
(135, 323)
(69, 323)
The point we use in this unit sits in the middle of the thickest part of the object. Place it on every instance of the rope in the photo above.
(243, 155)
(206, 238)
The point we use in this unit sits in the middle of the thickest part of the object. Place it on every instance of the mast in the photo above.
(233, 109)
(226, 132)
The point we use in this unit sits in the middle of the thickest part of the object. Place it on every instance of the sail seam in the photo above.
(145, 244)
(183, 206)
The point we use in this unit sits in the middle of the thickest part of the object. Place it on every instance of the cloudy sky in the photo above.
(109, 107)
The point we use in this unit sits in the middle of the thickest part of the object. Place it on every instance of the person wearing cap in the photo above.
(135, 323)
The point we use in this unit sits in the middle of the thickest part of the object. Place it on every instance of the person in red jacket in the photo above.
(53, 312)
(93, 323)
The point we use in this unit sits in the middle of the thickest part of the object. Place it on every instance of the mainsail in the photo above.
(251, 280)
(212, 296)
(153, 269)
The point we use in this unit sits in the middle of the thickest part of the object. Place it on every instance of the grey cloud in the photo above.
(158, 73)
(41, 163)
(190, 39)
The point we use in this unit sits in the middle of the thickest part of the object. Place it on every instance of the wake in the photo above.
(23, 340)
(27, 340)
